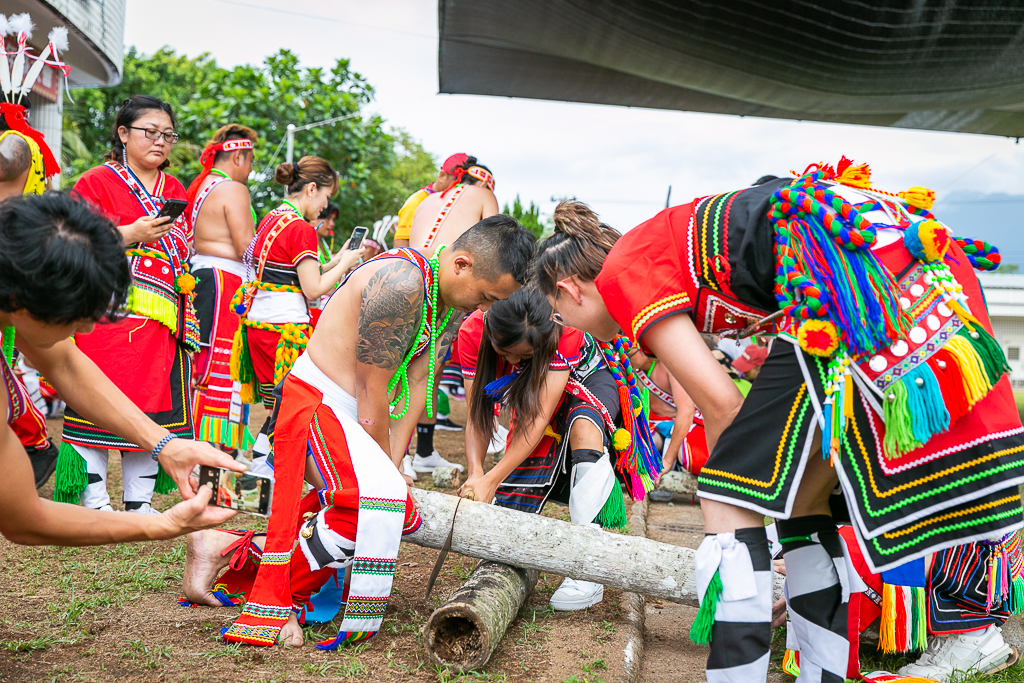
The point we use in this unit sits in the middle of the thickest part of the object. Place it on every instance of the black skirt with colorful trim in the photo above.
(957, 497)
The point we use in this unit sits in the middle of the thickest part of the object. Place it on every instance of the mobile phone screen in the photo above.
(356, 241)
(240, 491)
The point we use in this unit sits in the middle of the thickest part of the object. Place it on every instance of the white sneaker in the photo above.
(407, 469)
(575, 595)
(982, 651)
(427, 465)
(145, 509)
(498, 441)
(105, 508)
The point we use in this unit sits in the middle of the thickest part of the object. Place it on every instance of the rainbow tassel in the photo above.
(791, 663)
(904, 621)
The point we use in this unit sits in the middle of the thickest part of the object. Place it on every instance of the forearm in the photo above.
(523, 444)
(72, 525)
(86, 389)
(128, 234)
(476, 450)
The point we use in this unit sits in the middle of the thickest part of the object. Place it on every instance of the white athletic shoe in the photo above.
(105, 508)
(498, 441)
(960, 653)
(575, 595)
(145, 509)
(427, 465)
(407, 469)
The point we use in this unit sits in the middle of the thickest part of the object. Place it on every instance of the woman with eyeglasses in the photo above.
(565, 410)
(145, 352)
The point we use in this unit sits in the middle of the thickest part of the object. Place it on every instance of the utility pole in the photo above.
(669, 197)
(289, 150)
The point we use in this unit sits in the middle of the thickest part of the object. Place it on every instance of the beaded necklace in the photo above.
(293, 207)
(402, 374)
(8, 344)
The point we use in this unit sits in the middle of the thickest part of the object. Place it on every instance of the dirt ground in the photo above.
(111, 614)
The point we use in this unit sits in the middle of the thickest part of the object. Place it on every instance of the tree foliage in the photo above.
(378, 166)
(528, 217)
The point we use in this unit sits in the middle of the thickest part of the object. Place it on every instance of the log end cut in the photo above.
(457, 639)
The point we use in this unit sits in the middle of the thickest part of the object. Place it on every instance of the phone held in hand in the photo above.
(358, 234)
(240, 491)
(172, 209)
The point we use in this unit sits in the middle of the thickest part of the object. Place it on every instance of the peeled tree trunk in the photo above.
(629, 563)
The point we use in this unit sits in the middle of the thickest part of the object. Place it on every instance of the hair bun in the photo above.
(285, 174)
(576, 219)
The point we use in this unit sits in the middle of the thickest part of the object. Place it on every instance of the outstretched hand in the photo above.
(195, 514)
(180, 456)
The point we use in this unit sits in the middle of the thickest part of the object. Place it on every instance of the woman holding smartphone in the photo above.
(145, 353)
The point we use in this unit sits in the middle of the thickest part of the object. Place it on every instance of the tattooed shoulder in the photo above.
(15, 157)
(448, 334)
(389, 314)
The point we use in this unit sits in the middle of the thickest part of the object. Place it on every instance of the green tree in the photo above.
(378, 167)
(528, 217)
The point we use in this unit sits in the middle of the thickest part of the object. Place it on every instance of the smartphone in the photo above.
(240, 491)
(172, 209)
(356, 241)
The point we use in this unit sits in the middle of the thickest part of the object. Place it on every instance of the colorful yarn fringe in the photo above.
(935, 394)
(791, 662)
(825, 267)
(241, 366)
(345, 638)
(638, 458)
(904, 622)
(225, 432)
(293, 340)
(154, 304)
(1006, 576)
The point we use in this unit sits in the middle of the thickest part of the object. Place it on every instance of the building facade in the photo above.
(95, 54)
(1004, 295)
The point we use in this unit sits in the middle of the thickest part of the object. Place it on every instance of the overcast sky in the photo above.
(620, 160)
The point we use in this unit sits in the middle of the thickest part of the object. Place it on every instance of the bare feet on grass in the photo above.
(203, 562)
(291, 633)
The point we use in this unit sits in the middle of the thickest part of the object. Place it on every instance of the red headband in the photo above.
(209, 154)
(14, 115)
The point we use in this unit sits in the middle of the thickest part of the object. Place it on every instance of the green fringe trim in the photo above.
(700, 633)
(1017, 595)
(919, 620)
(246, 372)
(154, 306)
(991, 354)
(613, 514)
(899, 427)
(164, 483)
(70, 477)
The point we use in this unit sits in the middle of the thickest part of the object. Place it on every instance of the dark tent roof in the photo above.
(928, 64)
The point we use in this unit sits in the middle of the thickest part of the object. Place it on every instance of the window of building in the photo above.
(1013, 353)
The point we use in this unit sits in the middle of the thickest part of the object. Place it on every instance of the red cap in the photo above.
(453, 162)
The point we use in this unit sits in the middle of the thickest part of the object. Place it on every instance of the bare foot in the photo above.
(291, 633)
(203, 562)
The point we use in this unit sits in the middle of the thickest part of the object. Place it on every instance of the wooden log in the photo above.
(629, 563)
(463, 633)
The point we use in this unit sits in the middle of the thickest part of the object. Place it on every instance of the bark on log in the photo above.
(463, 633)
(629, 563)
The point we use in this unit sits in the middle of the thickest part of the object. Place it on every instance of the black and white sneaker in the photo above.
(447, 425)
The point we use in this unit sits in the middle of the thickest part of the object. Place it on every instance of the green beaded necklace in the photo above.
(222, 174)
(293, 207)
(402, 374)
(9, 345)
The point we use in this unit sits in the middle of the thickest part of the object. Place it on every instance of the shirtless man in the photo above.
(221, 214)
(337, 392)
(444, 180)
(440, 219)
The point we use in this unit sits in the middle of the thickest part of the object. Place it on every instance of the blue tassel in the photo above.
(326, 602)
(928, 414)
(826, 429)
(496, 390)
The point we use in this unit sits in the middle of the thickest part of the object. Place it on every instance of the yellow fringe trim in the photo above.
(887, 624)
(154, 307)
(976, 384)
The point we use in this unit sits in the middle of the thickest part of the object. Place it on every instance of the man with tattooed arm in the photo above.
(347, 411)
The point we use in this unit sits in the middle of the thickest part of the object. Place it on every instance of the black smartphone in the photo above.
(240, 491)
(172, 209)
(356, 241)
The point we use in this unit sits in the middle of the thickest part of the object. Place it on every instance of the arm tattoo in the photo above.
(15, 158)
(389, 315)
(447, 336)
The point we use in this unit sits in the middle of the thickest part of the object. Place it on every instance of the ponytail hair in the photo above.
(307, 170)
(524, 316)
(578, 247)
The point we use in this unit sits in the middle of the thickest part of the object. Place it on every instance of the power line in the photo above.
(327, 19)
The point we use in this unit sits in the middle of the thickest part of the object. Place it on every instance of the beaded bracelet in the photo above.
(163, 442)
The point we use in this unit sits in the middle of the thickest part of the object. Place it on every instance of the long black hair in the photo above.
(524, 316)
(60, 260)
(131, 110)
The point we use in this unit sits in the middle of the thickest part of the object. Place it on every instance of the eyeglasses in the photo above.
(154, 134)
